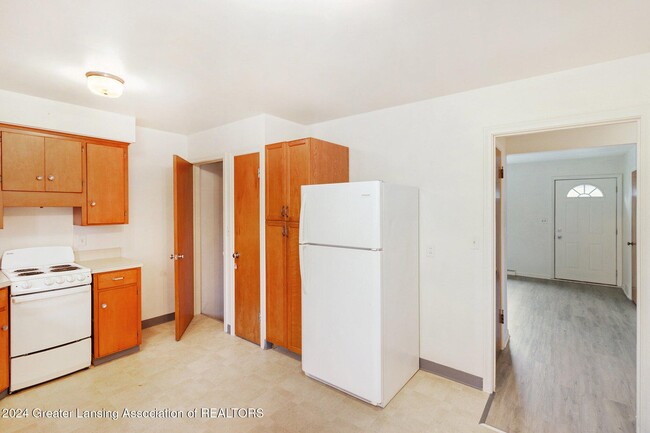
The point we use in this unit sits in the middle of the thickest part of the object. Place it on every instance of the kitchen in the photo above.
(436, 144)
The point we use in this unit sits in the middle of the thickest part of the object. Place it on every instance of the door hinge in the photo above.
(259, 172)
(502, 318)
(500, 172)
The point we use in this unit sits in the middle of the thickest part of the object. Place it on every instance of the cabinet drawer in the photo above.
(116, 278)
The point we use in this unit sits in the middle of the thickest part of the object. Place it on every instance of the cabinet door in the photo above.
(294, 298)
(118, 319)
(275, 181)
(23, 162)
(63, 164)
(106, 171)
(276, 311)
(298, 175)
(4, 339)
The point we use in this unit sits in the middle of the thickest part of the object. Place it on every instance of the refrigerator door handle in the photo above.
(301, 259)
(303, 219)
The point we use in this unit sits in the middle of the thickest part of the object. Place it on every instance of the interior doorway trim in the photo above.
(642, 118)
(619, 220)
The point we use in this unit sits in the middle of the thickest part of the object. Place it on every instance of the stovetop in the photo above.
(40, 269)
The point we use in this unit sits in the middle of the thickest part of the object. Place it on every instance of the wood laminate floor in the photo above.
(570, 365)
(210, 369)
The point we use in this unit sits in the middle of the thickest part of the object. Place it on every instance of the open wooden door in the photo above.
(247, 247)
(183, 244)
(633, 240)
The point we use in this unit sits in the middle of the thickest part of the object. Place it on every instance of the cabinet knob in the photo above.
(39, 177)
(50, 177)
(92, 203)
(104, 306)
(5, 327)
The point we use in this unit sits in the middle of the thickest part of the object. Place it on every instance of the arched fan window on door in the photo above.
(584, 191)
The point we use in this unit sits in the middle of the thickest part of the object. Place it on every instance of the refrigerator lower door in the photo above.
(341, 319)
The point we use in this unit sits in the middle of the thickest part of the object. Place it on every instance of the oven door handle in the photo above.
(47, 295)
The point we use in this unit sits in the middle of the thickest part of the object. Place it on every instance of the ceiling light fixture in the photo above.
(104, 84)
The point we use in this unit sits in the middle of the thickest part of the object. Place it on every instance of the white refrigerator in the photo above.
(359, 271)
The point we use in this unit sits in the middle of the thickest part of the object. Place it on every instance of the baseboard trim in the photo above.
(4, 393)
(158, 320)
(452, 374)
(105, 359)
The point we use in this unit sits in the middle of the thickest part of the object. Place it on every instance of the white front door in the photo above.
(585, 230)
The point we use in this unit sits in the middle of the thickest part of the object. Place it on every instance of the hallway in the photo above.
(570, 365)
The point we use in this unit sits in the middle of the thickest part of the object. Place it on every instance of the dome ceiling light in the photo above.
(104, 84)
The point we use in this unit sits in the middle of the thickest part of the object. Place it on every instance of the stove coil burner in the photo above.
(63, 269)
(27, 274)
(20, 271)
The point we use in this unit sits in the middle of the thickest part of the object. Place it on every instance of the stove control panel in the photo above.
(45, 283)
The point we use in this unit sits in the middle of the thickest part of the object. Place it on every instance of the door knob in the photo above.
(631, 243)
(235, 255)
(176, 256)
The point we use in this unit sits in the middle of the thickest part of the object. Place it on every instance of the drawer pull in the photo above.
(118, 278)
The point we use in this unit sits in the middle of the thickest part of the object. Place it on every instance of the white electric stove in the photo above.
(50, 314)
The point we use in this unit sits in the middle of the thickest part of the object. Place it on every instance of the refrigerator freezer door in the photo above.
(342, 214)
(341, 319)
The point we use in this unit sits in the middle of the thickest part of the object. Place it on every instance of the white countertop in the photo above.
(4, 281)
(110, 264)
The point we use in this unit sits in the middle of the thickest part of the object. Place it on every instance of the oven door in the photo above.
(48, 319)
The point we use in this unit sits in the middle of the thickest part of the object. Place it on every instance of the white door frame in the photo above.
(642, 117)
(619, 219)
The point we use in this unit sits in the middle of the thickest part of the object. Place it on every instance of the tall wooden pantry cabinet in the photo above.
(289, 165)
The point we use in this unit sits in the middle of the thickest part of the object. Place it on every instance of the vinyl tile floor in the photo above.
(210, 369)
(570, 365)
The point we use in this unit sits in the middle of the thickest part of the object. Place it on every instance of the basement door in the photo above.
(585, 230)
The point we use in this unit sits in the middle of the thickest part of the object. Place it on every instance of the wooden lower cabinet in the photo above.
(117, 324)
(4, 339)
(283, 301)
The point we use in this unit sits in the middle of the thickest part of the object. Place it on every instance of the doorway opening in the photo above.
(210, 240)
(565, 325)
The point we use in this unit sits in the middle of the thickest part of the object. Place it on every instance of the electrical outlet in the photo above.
(429, 251)
(476, 243)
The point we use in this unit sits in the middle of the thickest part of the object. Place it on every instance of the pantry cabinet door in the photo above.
(298, 175)
(294, 299)
(276, 305)
(275, 181)
(63, 165)
(23, 162)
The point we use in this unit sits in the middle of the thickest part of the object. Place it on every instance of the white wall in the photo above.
(530, 210)
(438, 145)
(24, 110)
(149, 236)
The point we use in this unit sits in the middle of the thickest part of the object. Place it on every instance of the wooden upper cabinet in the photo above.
(63, 165)
(35, 163)
(107, 174)
(23, 162)
(289, 165)
(275, 184)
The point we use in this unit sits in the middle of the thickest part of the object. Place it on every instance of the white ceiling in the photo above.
(192, 65)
